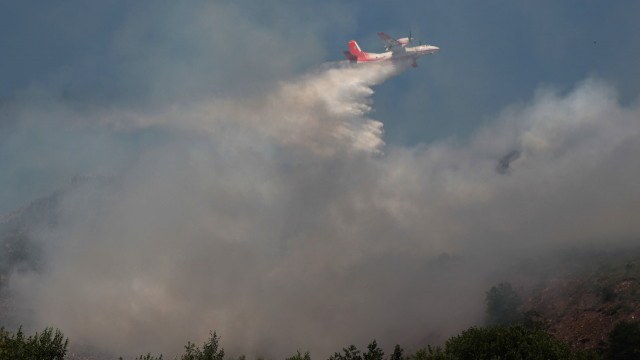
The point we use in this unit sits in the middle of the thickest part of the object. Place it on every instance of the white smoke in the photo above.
(323, 111)
(282, 223)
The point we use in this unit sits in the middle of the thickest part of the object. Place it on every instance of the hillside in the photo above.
(578, 296)
(587, 296)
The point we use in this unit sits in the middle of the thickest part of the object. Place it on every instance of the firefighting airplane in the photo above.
(395, 49)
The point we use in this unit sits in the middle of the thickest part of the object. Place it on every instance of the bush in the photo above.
(506, 342)
(299, 356)
(148, 357)
(211, 350)
(348, 353)
(430, 353)
(373, 352)
(48, 345)
(502, 342)
(352, 353)
(397, 353)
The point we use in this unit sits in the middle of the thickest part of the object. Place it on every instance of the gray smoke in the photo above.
(282, 221)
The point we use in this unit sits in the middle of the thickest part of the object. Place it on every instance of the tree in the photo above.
(211, 350)
(397, 353)
(503, 305)
(48, 345)
(349, 353)
(148, 357)
(502, 342)
(373, 352)
(429, 353)
(506, 342)
(299, 356)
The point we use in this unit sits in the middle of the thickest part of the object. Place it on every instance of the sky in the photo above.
(259, 182)
(138, 55)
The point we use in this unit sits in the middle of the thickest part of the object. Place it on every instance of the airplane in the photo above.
(395, 49)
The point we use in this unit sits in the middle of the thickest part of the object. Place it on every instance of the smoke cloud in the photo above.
(282, 220)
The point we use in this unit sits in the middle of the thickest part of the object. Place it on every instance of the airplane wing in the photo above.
(388, 41)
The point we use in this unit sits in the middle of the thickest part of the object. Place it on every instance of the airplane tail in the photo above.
(354, 49)
(355, 52)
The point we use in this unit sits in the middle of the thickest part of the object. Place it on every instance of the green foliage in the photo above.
(352, 353)
(299, 356)
(506, 342)
(349, 353)
(495, 342)
(430, 353)
(48, 345)
(148, 357)
(624, 341)
(397, 353)
(211, 350)
(373, 352)
(503, 305)
(501, 342)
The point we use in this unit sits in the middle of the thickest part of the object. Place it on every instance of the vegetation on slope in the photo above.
(515, 341)
(50, 344)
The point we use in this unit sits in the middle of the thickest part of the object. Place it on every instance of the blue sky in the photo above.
(493, 53)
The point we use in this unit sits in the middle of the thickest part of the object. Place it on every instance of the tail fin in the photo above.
(355, 51)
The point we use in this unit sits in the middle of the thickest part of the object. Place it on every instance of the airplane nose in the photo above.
(435, 48)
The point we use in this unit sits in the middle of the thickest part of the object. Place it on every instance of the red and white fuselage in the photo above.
(397, 50)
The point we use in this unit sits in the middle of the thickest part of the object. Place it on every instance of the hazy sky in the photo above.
(260, 183)
(140, 54)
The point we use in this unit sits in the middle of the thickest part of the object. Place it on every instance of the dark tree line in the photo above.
(50, 344)
(509, 334)
(516, 341)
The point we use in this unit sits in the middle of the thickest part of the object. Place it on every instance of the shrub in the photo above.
(430, 353)
(397, 353)
(373, 352)
(299, 356)
(148, 357)
(352, 353)
(348, 353)
(211, 350)
(48, 345)
(506, 342)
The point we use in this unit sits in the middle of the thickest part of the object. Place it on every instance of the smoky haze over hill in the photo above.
(258, 196)
(281, 219)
